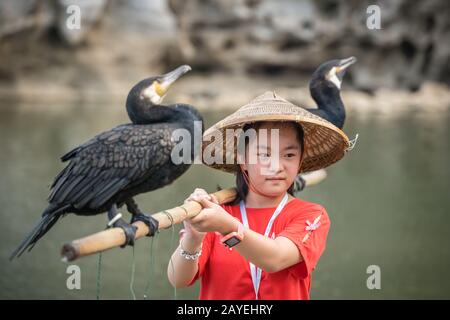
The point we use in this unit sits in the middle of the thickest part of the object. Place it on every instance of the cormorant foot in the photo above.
(151, 222)
(129, 230)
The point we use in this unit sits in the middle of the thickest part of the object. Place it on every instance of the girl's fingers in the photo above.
(206, 203)
(214, 199)
(198, 198)
(195, 220)
(201, 216)
(200, 194)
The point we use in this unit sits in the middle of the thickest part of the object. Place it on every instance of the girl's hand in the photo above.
(213, 218)
(200, 194)
(197, 195)
(190, 233)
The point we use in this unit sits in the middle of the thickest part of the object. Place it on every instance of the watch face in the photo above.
(232, 242)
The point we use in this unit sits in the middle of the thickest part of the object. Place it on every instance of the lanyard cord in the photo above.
(254, 271)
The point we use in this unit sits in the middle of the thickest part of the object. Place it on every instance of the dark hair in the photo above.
(241, 185)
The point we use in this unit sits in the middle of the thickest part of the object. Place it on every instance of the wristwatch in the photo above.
(233, 238)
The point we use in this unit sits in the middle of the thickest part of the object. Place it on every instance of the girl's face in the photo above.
(274, 170)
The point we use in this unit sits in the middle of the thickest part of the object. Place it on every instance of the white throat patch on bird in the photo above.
(154, 93)
(333, 78)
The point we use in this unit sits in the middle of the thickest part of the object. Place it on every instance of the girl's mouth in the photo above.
(275, 179)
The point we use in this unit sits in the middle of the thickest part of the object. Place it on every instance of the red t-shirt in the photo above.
(225, 274)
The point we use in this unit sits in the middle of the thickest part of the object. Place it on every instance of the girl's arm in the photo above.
(181, 271)
(272, 255)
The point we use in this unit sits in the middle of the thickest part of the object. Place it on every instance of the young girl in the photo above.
(266, 243)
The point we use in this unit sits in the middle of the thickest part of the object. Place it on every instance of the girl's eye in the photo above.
(263, 157)
(290, 155)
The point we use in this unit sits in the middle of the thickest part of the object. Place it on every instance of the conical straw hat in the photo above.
(325, 143)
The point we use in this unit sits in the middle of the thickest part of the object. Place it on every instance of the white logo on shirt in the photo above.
(310, 227)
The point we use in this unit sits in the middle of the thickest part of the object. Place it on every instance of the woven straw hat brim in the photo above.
(325, 143)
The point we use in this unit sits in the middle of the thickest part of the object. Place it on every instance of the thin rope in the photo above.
(352, 143)
(151, 271)
(173, 269)
(133, 267)
(99, 273)
(99, 262)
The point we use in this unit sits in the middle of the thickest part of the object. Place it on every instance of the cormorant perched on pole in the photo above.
(114, 166)
(325, 87)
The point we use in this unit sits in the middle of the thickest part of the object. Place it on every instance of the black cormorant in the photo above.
(114, 166)
(325, 87)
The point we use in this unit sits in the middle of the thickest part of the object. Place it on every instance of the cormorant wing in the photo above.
(111, 162)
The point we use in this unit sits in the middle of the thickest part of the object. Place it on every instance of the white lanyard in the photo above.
(256, 272)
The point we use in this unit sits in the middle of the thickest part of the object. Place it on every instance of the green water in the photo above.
(388, 201)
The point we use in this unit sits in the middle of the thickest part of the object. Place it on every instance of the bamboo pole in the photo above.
(115, 237)
(314, 177)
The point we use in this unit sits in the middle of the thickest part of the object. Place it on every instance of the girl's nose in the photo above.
(275, 166)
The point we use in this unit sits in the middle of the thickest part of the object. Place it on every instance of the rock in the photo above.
(97, 60)
(265, 44)
(32, 16)
(278, 36)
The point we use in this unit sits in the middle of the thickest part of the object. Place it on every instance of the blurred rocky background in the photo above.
(241, 47)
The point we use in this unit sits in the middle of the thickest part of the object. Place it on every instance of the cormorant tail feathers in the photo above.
(49, 218)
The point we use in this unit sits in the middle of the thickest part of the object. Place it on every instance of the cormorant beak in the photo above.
(160, 85)
(344, 64)
(337, 73)
(165, 81)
